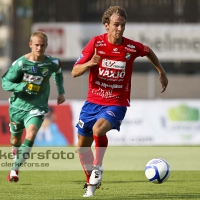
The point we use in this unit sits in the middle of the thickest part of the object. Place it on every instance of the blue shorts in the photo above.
(91, 112)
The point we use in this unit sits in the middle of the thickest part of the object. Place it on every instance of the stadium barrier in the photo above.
(147, 123)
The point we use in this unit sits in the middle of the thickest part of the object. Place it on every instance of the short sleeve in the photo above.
(86, 53)
(143, 50)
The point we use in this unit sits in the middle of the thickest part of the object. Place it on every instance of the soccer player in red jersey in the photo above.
(109, 58)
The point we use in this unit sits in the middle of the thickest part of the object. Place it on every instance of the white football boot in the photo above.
(96, 175)
(13, 176)
(90, 189)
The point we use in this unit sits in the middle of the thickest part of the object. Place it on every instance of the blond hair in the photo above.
(113, 10)
(39, 34)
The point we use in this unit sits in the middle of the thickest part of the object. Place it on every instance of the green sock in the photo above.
(22, 153)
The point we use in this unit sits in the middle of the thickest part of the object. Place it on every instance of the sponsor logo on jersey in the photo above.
(105, 85)
(101, 52)
(115, 50)
(43, 64)
(113, 86)
(45, 71)
(100, 43)
(113, 74)
(131, 46)
(130, 49)
(33, 87)
(113, 64)
(33, 79)
(104, 93)
(128, 56)
(34, 69)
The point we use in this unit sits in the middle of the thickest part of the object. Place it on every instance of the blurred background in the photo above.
(171, 28)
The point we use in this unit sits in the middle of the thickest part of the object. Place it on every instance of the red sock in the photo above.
(86, 159)
(101, 144)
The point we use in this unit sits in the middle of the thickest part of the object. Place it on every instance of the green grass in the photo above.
(116, 185)
(123, 176)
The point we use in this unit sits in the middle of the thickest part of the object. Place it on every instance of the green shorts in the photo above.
(19, 119)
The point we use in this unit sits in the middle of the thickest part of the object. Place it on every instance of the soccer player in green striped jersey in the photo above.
(28, 79)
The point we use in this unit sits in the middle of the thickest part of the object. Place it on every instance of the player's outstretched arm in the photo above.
(80, 69)
(163, 77)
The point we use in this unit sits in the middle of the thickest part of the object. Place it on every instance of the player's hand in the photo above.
(95, 59)
(60, 99)
(163, 81)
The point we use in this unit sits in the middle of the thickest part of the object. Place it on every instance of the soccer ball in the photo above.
(157, 170)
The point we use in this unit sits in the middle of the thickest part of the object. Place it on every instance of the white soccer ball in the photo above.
(157, 170)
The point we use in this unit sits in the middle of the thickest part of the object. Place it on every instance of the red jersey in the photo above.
(110, 81)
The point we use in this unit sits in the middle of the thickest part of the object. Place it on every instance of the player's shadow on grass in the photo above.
(140, 181)
(116, 182)
(131, 181)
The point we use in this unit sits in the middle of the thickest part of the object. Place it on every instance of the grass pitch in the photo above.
(123, 176)
(118, 185)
